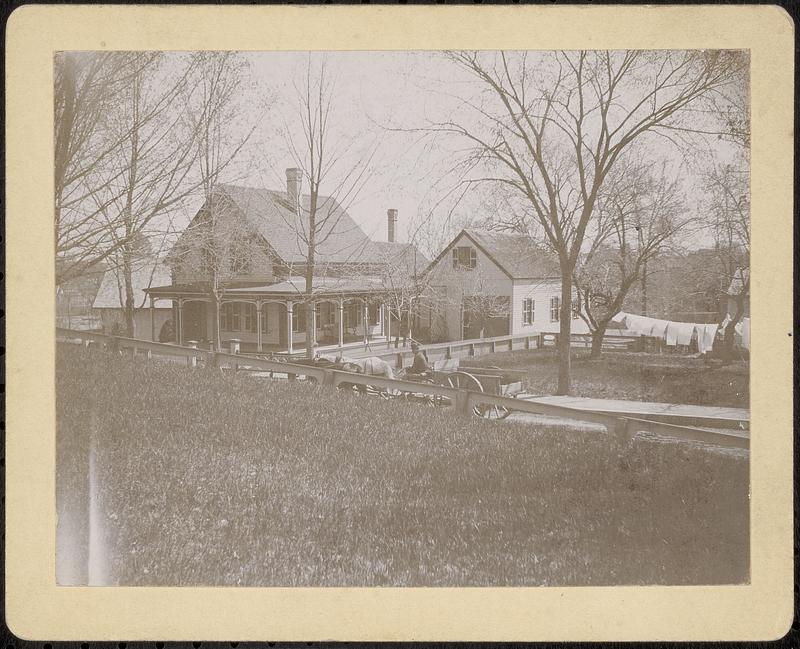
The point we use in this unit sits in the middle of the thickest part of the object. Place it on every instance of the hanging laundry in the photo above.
(746, 333)
(633, 323)
(684, 332)
(671, 334)
(705, 338)
(620, 317)
(659, 328)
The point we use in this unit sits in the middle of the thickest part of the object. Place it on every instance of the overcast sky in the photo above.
(375, 93)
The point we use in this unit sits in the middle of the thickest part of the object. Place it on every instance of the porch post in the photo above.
(180, 321)
(289, 326)
(258, 326)
(364, 323)
(341, 322)
(380, 318)
(152, 319)
(310, 343)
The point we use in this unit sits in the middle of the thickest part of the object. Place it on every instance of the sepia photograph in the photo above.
(444, 318)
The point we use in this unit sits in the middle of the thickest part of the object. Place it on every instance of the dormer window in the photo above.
(465, 257)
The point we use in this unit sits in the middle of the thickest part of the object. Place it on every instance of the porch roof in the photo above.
(291, 286)
(321, 285)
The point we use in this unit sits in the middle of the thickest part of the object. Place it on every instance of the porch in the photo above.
(273, 318)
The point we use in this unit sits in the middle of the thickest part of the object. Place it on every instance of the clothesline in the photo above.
(681, 333)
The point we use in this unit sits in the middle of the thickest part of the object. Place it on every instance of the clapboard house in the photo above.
(247, 251)
(486, 283)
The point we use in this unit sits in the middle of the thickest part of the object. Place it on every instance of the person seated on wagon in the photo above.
(420, 366)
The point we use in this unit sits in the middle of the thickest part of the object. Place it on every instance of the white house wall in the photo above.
(540, 291)
(447, 286)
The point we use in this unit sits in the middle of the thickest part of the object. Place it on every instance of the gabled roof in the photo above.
(515, 254)
(342, 241)
(148, 274)
(404, 257)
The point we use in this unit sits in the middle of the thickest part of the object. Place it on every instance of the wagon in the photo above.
(490, 380)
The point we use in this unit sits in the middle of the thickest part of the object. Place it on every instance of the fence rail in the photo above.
(400, 357)
(464, 401)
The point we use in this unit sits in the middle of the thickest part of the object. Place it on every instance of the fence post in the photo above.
(233, 348)
(462, 402)
(399, 362)
(192, 360)
(448, 352)
(149, 354)
(472, 349)
(493, 347)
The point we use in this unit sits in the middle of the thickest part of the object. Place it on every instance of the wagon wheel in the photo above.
(466, 381)
(495, 412)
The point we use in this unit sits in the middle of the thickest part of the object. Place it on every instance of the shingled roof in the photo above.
(342, 241)
(516, 254)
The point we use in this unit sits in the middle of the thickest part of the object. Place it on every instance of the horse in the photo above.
(371, 366)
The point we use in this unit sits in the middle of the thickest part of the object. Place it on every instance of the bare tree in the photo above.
(551, 127)
(147, 175)
(86, 90)
(729, 205)
(218, 245)
(324, 157)
(637, 216)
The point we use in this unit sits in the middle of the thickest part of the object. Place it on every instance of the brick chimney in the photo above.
(392, 222)
(294, 181)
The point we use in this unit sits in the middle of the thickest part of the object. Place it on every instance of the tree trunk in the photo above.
(130, 324)
(597, 341)
(565, 330)
(217, 332)
(729, 337)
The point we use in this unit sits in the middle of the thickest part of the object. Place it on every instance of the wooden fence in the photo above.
(464, 401)
(402, 356)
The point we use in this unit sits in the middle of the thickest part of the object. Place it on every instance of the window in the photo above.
(325, 314)
(576, 308)
(528, 306)
(264, 311)
(352, 315)
(241, 257)
(230, 317)
(465, 257)
(298, 318)
(555, 307)
(249, 318)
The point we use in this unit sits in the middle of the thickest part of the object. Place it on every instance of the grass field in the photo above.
(636, 376)
(211, 480)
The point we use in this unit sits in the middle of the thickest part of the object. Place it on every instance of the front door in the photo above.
(194, 321)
